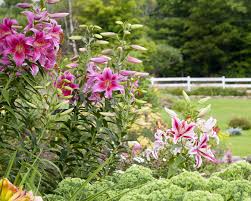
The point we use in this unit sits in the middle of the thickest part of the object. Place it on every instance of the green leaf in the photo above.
(6, 96)
(11, 162)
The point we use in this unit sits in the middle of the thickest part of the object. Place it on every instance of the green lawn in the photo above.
(225, 109)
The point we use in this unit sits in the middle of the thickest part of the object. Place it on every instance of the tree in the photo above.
(213, 36)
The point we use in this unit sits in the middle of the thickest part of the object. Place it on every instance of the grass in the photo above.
(224, 110)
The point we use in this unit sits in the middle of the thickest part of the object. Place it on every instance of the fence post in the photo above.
(152, 82)
(223, 82)
(188, 83)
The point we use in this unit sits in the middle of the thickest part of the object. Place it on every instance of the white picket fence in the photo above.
(190, 82)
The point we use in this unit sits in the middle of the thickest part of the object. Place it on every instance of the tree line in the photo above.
(183, 37)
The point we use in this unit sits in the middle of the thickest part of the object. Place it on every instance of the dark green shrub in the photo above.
(207, 91)
(215, 91)
(240, 122)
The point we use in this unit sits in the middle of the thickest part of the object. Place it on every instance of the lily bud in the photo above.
(203, 100)
(98, 36)
(24, 5)
(75, 37)
(186, 96)
(66, 81)
(82, 49)
(68, 97)
(119, 22)
(138, 47)
(204, 111)
(141, 74)
(72, 65)
(136, 26)
(82, 26)
(67, 88)
(52, 1)
(107, 51)
(108, 34)
(58, 15)
(97, 27)
(120, 49)
(102, 42)
(171, 113)
(99, 60)
(59, 91)
(133, 60)
(127, 32)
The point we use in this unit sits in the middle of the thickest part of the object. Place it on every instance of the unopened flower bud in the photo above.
(107, 52)
(102, 42)
(108, 34)
(138, 47)
(98, 36)
(119, 22)
(136, 26)
(204, 111)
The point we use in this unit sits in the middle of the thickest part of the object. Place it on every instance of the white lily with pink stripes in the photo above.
(192, 138)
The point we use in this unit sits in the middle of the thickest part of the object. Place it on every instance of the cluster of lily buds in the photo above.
(34, 46)
(193, 137)
(9, 192)
(65, 84)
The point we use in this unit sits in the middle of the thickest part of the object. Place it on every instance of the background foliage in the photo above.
(196, 38)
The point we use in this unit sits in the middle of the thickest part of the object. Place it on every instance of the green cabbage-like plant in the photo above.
(137, 184)
(202, 196)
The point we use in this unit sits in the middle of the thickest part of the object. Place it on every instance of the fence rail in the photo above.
(190, 82)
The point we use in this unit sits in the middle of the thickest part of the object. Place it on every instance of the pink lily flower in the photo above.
(99, 60)
(208, 127)
(136, 148)
(48, 58)
(18, 47)
(40, 44)
(91, 78)
(182, 129)
(65, 82)
(38, 16)
(6, 28)
(55, 31)
(107, 82)
(133, 60)
(201, 149)
(95, 97)
(34, 69)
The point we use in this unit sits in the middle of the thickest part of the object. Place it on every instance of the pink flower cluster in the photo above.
(183, 135)
(36, 45)
(104, 82)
